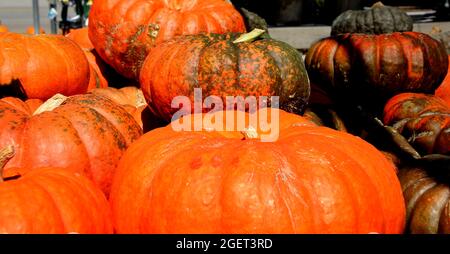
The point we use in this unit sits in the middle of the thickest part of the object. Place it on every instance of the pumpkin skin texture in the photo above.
(379, 19)
(197, 182)
(377, 67)
(220, 67)
(123, 31)
(81, 37)
(87, 133)
(443, 91)
(97, 67)
(424, 120)
(427, 199)
(52, 201)
(42, 66)
(130, 97)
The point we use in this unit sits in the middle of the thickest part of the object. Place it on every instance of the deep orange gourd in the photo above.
(3, 28)
(39, 66)
(123, 31)
(312, 180)
(51, 201)
(361, 66)
(81, 37)
(222, 67)
(443, 90)
(424, 120)
(84, 132)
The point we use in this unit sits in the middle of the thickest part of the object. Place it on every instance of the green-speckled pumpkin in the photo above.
(222, 66)
(379, 19)
(123, 31)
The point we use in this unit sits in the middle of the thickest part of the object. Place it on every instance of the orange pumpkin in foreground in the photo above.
(123, 31)
(40, 66)
(51, 200)
(85, 133)
(311, 180)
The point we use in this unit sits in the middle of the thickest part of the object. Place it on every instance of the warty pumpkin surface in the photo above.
(222, 67)
(51, 201)
(40, 66)
(86, 133)
(360, 66)
(123, 31)
(311, 180)
(424, 120)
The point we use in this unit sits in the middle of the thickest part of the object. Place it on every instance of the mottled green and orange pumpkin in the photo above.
(39, 66)
(123, 31)
(362, 67)
(50, 201)
(85, 133)
(224, 65)
(310, 180)
(424, 120)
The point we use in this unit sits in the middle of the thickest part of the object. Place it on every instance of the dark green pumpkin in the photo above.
(379, 19)
(221, 66)
(377, 67)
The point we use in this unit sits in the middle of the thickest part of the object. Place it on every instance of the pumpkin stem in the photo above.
(250, 133)
(5, 155)
(378, 4)
(51, 104)
(140, 99)
(337, 121)
(251, 36)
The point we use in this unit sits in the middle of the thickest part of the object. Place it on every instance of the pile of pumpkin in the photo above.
(73, 156)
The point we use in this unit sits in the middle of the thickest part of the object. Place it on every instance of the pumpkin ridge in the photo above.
(334, 148)
(49, 195)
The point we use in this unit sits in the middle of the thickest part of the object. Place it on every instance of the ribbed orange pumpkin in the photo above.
(311, 180)
(362, 67)
(40, 66)
(123, 31)
(443, 90)
(84, 132)
(51, 201)
(424, 120)
(224, 65)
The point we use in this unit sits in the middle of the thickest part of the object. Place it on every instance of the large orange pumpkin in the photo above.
(83, 132)
(362, 67)
(311, 180)
(51, 200)
(224, 65)
(123, 31)
(443, 90)
(39, 66)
